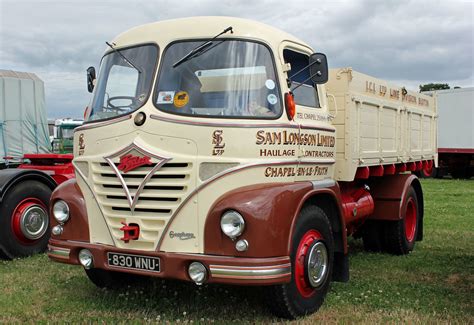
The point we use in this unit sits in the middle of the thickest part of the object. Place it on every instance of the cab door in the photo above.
(317, 135)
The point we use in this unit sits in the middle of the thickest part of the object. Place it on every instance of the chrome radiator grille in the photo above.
(158, 200)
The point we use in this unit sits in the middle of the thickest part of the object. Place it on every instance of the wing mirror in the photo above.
(318, 68)
(90, 79)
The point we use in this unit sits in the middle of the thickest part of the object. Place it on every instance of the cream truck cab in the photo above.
(213, 152)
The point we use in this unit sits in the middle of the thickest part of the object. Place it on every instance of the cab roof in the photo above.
(167, 31)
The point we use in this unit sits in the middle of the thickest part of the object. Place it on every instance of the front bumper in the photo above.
(222, 269)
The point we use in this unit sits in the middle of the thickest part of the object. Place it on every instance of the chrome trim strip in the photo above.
(59, 252)
(93, 125)
(251, 273)
(233, 170)
(241, 125)
(84, 178)
(323, 183)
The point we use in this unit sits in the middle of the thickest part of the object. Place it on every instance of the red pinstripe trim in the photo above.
(93, 125)
(455, 150)
(241, 125)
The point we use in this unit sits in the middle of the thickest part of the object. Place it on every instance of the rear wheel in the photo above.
(401, 235)
(24, 220)
(311, 263)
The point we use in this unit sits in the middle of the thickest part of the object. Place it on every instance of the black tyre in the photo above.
(401, 235)
(311, 265)
(373, 236)
(24, 220)
(112, 280)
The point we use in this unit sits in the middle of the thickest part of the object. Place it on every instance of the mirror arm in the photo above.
(304, 68)
(301, 83)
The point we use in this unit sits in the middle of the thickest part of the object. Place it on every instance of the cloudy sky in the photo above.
(407, 41)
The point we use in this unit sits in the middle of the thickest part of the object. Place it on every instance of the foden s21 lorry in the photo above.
(214, 151)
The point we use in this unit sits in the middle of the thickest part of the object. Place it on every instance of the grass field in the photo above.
(434, 284)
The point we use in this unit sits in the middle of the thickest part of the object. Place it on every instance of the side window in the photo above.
(307, 94)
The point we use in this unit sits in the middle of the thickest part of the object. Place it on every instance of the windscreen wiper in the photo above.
(198, 50)
(123, 57)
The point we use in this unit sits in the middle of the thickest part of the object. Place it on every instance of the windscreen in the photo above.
(123, 86)
(230, 78)
(67, 133)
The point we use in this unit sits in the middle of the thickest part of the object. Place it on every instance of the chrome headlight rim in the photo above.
(61, 214)
(232, 224)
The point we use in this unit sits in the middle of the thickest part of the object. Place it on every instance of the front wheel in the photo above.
(311, 264)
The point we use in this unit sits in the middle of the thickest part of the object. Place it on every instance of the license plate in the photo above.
(134, 262)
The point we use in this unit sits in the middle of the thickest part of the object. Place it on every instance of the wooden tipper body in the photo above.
(379, 124)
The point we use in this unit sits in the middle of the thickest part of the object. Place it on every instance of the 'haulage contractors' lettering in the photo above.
(294, 138)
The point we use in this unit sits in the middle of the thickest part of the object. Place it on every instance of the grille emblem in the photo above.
(130, 161)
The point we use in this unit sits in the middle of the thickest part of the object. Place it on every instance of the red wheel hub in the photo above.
(28, 220)
(410, 220)
(301, 280)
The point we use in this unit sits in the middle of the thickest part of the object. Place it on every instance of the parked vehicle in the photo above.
(64, 134)
(456, 135)
(28, 171)
(23, 127)
(239, 164)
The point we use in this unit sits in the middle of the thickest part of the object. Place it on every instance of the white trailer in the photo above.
(23, 124)
(456, 133)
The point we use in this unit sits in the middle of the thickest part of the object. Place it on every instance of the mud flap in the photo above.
(340, 271)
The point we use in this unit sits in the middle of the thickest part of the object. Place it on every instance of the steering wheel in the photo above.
(132, 99)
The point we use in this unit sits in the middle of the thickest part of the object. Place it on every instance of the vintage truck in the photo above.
(215, 152)
(64, 134)
(29, 172)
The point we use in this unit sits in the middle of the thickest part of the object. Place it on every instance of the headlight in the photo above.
(61, 211)
(232, 224)
(85, 258)
(197, 272)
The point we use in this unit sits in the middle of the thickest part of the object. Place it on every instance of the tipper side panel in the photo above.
(378, 123)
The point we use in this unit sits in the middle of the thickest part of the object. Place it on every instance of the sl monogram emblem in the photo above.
(217, 141)
(130, 161)
(82, 144)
